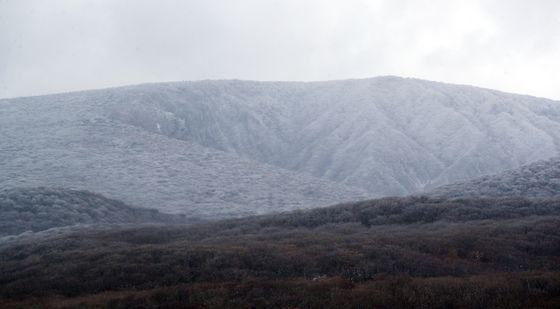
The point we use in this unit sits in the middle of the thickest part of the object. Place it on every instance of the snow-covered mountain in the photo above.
(71, 141)
(228, 148)
(536, 180)
(391, 136)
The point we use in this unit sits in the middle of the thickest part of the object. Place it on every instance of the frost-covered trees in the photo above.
(37, 209)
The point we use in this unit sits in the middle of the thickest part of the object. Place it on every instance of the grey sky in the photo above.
(49, 46)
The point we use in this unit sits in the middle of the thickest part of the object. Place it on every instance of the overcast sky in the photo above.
(49, 46)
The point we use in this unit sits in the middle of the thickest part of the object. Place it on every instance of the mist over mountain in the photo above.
(536, 180)
(231, 148)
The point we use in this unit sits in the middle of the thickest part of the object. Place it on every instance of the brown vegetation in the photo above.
(411, 252)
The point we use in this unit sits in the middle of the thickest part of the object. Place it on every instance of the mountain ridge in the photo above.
(142, 84)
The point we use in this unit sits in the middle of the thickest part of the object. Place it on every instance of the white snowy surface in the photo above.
(66, 141)
(230, 148)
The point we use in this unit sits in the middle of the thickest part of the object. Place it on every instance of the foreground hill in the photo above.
(537, 180)
(38, 209)
(388, 253)
(214, 149)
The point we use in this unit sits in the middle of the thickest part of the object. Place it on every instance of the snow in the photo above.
(229, 148)
(391, 136)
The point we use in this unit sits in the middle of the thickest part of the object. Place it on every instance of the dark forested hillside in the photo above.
(388, 253)
(38, 209)
(540, 179)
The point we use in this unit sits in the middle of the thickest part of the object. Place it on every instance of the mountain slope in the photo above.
(67, 141)
(38, 209)
(538, 180)
(389, 135)
(230, 148)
